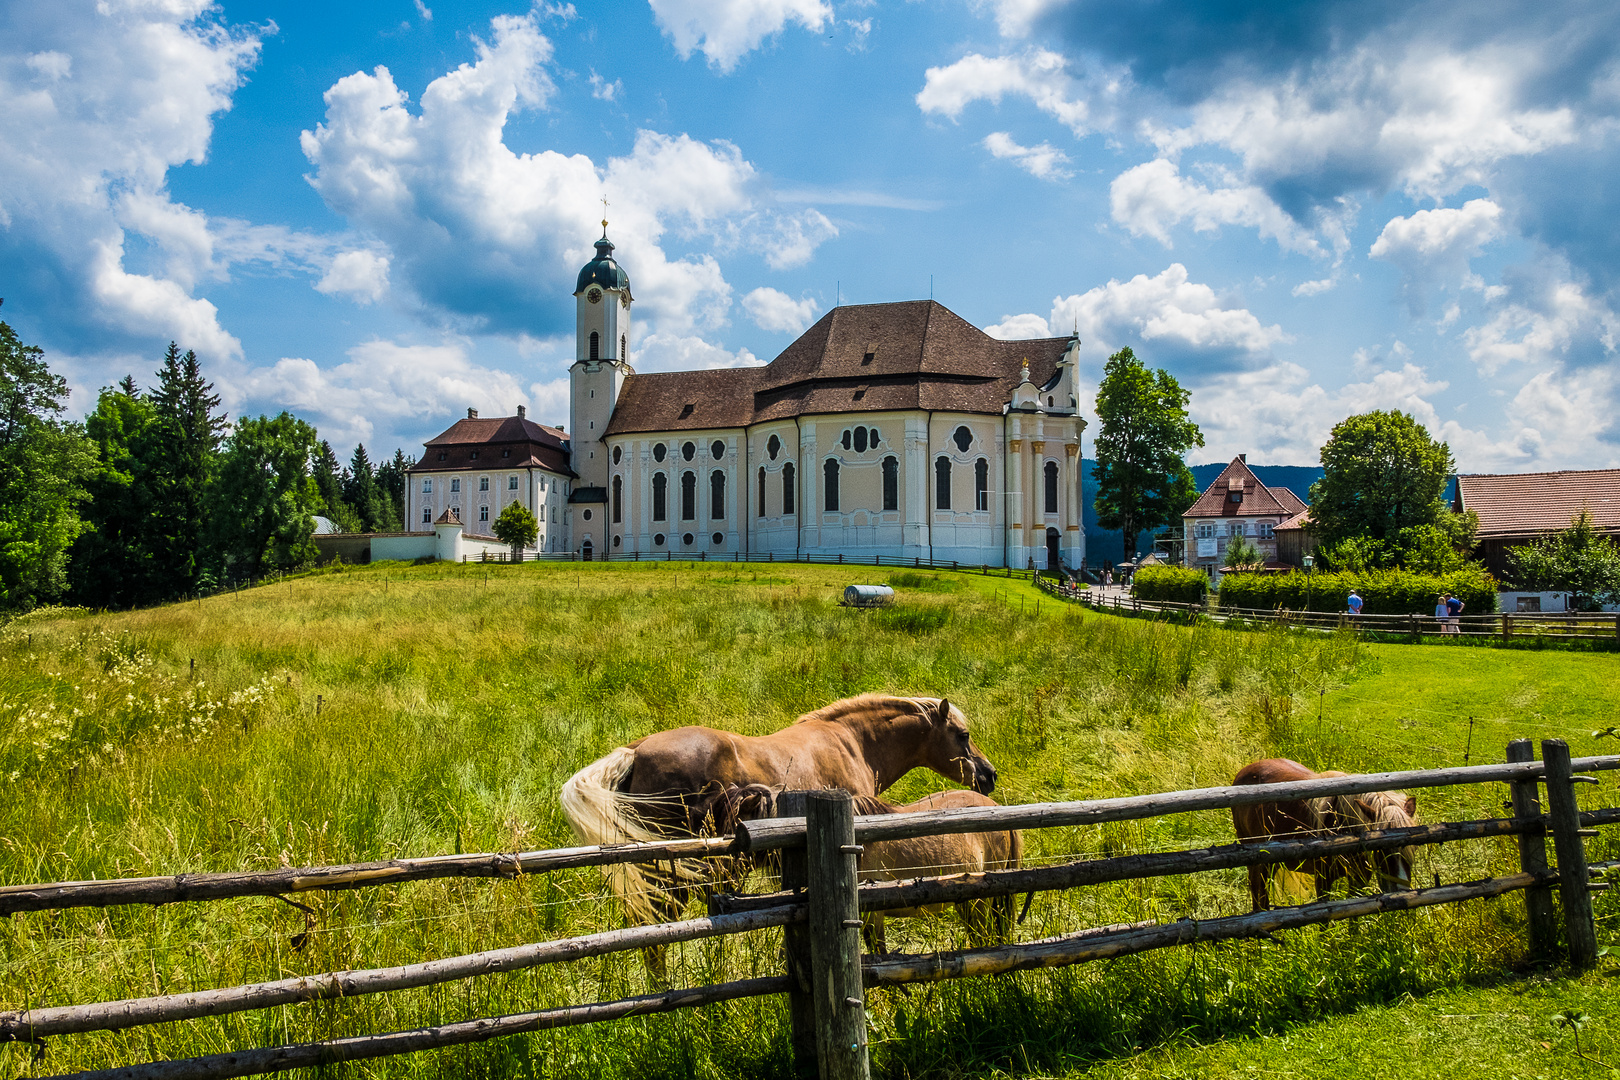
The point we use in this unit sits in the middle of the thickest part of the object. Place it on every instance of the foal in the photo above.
(1292, 818)
(987, 920)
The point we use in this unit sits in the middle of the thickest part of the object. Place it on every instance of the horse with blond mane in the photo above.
(1319, 817)
(662, 786)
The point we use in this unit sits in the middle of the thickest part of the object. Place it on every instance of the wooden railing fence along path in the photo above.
(1505, 626)
(819, 906)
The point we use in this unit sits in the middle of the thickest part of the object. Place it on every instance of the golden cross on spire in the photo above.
(604, 217)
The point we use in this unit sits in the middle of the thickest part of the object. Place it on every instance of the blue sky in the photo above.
(372, 213)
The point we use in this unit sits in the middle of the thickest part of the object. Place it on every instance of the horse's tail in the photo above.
(601, 813)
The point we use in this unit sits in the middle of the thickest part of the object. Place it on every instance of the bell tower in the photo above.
(601, 359)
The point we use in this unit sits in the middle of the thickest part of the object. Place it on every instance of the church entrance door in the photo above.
(585, 551)
(1054, 557)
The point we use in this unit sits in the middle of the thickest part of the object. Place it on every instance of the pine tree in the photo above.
(190, 428)
(127, 387)
(391, 480)
(361, 489)
(330, 478)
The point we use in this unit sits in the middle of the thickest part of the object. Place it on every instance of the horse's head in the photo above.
(1391, 810)
(949, 749)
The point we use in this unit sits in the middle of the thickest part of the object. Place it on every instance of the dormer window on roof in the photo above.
(687, 410)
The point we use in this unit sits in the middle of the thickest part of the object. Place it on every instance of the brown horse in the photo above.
(989, 920)
(1316, 817)
(662, 785)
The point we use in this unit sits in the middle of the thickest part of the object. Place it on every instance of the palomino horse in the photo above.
(988, 920)
(663, 785)
(1295, 817)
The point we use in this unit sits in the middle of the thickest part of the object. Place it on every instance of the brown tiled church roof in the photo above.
(1258, 499)
(500, 442)
(865, 358)
(1530, 504)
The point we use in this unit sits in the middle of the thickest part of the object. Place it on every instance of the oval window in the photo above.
(687, 539)
(860, 440)
(586, 515)
(718, 538)
(718, 449)
(659, 450)
(658, 539)
(618, 454)
(616, 541)
(772, 447)
(689, 451)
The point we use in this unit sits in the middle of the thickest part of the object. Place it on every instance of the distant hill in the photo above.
(1106, 545)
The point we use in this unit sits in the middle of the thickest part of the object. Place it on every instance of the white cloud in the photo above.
(685, 352)
(100, 103)
(1018, 327)
(1542, 332)
(362, 276)
(1038, 74)
(727, 30)
(1173, 315)
(424, 11)
(1153, 197)
(1434, 246)
(603, 90)
(479, 232)
(778, 312)
(1015, 17)
(1044, 162)
(1314, 288)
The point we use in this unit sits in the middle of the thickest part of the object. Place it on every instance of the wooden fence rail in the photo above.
(819, 910)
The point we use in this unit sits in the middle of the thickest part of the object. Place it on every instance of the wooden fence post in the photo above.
(801, 1006)
(1571, 850)
(1538, 905)
(835, 936)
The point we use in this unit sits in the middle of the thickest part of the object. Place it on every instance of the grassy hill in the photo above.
(394, 710)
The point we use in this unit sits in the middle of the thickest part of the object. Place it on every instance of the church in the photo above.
(886, 429)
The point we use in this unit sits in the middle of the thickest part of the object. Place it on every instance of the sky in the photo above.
(372, 213)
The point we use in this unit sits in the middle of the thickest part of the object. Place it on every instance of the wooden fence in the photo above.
(819, 907)
(838, 559)
(1505, 626)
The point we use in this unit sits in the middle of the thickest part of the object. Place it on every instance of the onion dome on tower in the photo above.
(603, 270)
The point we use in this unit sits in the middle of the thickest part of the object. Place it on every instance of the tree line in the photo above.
(155, 495)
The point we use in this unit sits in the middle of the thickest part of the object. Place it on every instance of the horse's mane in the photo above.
(844, 709)
(871, 804)
(1381, 809)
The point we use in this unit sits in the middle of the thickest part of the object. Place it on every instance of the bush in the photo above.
(1383, 592)
(1171, 584)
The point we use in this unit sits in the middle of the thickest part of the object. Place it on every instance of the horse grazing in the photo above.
(667, 784)
(987, 920)
(1297, 817)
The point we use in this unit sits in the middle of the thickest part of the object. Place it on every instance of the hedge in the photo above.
(1171, 584)
(1383, 592)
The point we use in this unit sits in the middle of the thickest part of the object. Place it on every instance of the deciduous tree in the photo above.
(517, 527)
(263, 498)
(1579, 560)
(114, 564)
(1142, 478)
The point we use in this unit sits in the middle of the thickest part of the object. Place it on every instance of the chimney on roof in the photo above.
(472, 414)
(1243, 458)
(523, 412)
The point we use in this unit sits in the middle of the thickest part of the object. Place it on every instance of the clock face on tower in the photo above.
(593, 294)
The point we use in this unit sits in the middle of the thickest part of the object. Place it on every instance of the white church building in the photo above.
(885, 429)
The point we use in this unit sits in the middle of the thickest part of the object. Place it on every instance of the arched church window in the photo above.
(788, 502)
(596, 345)
(618, 454)
(773, 446)
(761, 499)
(717, 496)
(618, 499)
(689, 496)
(891, 483)
(688, 451)
(981, 485)
(963, 438)
(659, 451)
(660, 497)
(860, 440)
(1051, 487)
(717, 449)
(829, 473)
(942, 483)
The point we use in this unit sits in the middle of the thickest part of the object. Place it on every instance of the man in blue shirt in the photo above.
(1355, 603)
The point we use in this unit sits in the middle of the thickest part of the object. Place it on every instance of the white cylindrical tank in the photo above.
(868, 595)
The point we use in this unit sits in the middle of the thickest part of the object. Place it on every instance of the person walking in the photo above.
(1454, 608)
(1354, 603)
(1442, 614)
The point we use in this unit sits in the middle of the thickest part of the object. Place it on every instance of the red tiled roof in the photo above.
(1258, 499)
(861, 358)
(1531, 504)
(500, 442)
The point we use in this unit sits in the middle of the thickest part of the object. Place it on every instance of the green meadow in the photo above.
(396, 710)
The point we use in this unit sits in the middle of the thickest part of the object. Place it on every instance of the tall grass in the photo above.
(453, 701)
